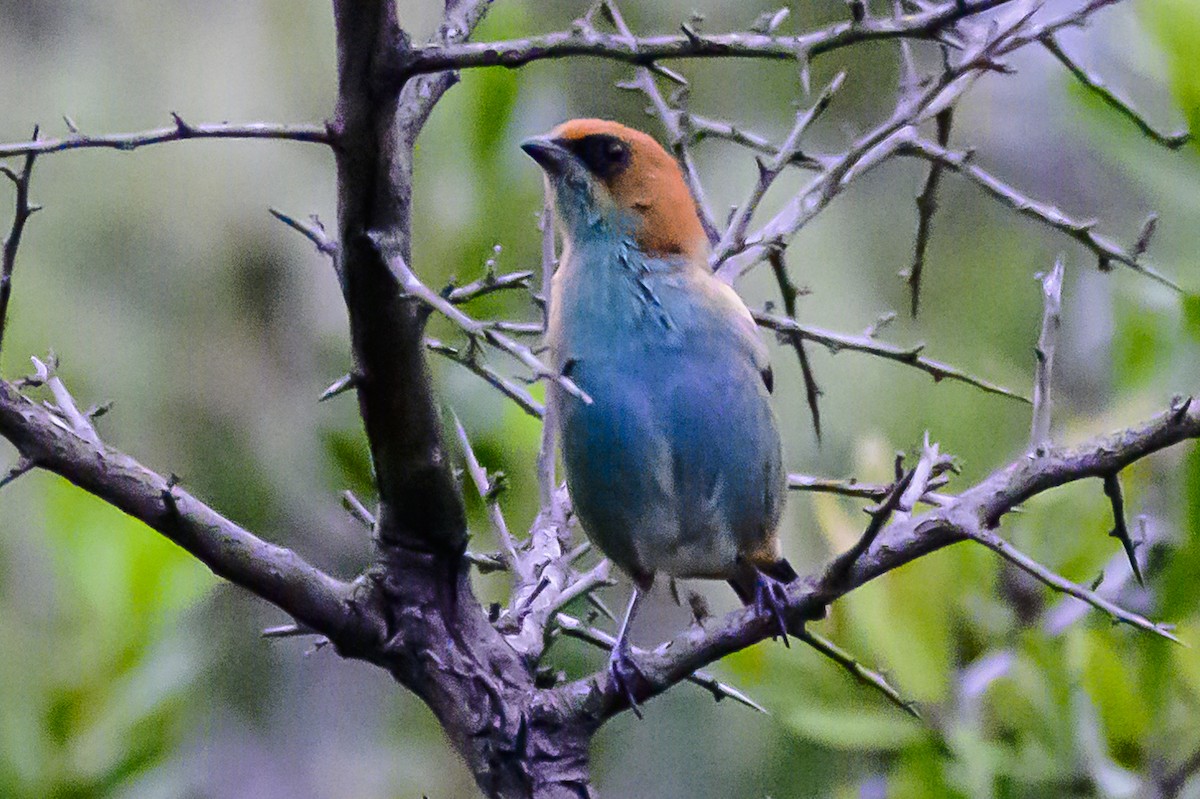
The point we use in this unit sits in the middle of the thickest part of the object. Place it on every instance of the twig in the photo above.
(1105, 250)
(839, 569)
(1172, 141)
(926, 207)
(64, 403)
(487, 285)
(858, 490)
(508, 388)
(486, 562)
(177, 132)
(894, 135)
(312, 230)
(358, 510)
(411, 285)
(583, 585)
(1027, 564)
(931, 464)
(908, 66)
(487, 492)
(671, 120)
(646, 50)
(1120, 531)
(1039, 437)
(967, 516)
(272, 572)
(734, 236)
(789, 293)
(547, 482)
(574, 628)
(858, 671)
(702, 128)
(911, 356)
(22, 210)
(288, 631)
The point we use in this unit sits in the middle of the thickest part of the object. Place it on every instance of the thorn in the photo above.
(764, 171)
(339, 386)
(96, 411)
(288, 631)
(1179, 409)
(24, 466)
(182, 127)
(168, 495)
(71, 126)
(699, 607)
(1143, 240)
(691, 34)
(768, 21)
(358, 510)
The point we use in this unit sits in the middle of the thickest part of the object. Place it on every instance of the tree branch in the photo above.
(1052, 282)
(1106, 251)
(970, 515)
(276, 574)
(420, 506)
(1172, 141)
(180, 131)
(672, 122)
(911, 356)
(21, 212)
(644, 51)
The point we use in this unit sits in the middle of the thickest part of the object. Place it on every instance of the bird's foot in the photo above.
(623, 669)
(770, 600)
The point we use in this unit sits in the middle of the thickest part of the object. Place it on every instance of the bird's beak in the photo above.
(549, 154)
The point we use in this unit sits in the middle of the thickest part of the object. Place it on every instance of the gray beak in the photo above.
(549, 154)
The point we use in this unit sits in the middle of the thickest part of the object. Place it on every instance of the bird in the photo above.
(675, 465)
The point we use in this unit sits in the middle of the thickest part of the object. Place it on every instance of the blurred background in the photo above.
(160, 280)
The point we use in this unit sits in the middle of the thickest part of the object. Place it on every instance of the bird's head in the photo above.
(606, 178)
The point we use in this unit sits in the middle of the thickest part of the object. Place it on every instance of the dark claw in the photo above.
(770, 600)
(622, 668)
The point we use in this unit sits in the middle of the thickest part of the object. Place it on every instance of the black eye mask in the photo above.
(605, 156)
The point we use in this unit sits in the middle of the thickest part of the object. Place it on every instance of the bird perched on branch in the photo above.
(675, 465)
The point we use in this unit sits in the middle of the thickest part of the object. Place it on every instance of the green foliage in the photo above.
(95, 672)
(1176, 23)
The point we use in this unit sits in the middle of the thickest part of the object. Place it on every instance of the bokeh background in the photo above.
(158, 277)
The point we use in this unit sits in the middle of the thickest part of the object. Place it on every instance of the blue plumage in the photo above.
(675, 466)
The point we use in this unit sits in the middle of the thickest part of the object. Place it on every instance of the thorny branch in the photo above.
(643, 51)
(973, 515)
(1172, 141)
(1106, 251)
(673, 120)
(21, 212)
(1052, 284)
(414, 613)
(836, 342)
(179, 131)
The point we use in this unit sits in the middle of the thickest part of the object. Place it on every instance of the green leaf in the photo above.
(854, 726)
(1191, 316)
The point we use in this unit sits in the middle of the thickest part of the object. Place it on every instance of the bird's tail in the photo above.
(743, 584)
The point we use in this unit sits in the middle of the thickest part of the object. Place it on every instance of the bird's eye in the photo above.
(604, 155)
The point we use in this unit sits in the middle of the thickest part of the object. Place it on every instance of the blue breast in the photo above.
(676, 465)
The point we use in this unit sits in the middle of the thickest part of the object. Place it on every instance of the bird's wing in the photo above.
(726, 311)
